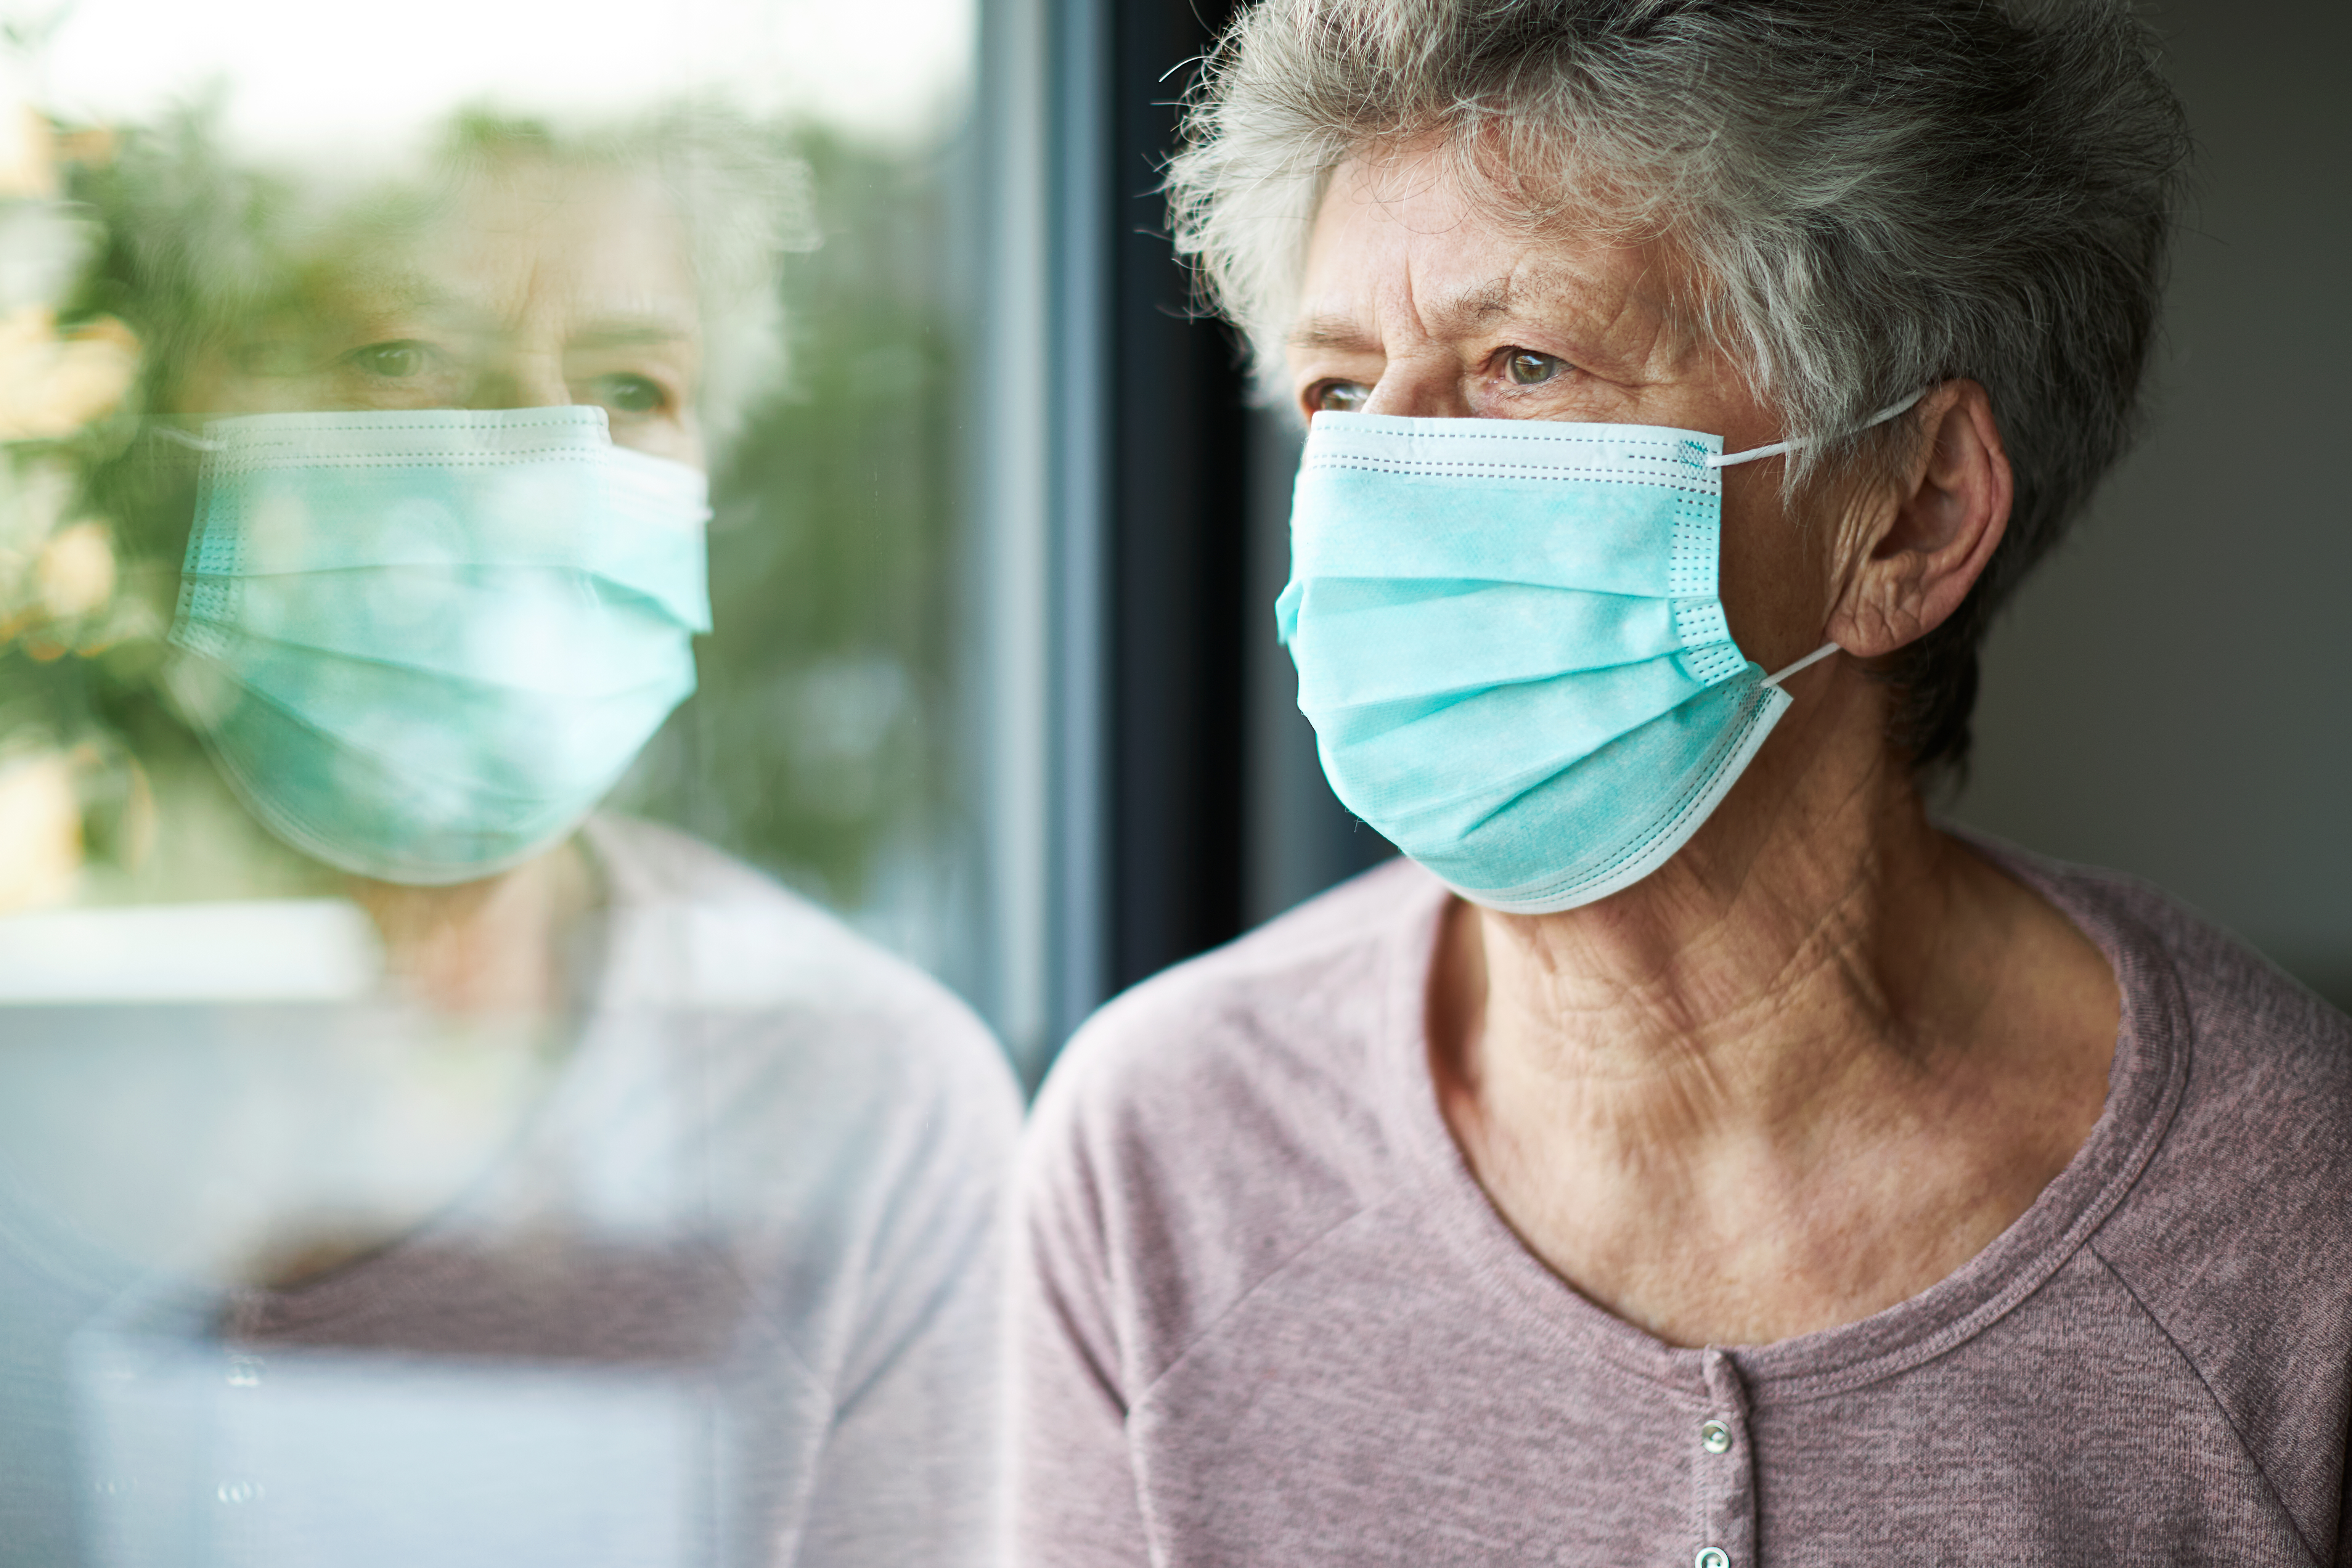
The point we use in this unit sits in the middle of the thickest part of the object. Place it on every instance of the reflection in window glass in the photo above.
(477, 499)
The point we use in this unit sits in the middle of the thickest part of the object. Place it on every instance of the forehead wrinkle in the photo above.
(391, 291)
(1471, 307)
(648, 330)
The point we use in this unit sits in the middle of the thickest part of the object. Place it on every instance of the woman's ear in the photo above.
(1934, 534)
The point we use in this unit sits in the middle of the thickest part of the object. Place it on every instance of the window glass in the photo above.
(482, 834)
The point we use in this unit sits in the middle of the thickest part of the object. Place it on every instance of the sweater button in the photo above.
(1712, 1557)
(1715, 1438)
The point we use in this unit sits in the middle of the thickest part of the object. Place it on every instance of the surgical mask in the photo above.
(422, 644)
(1512, 647)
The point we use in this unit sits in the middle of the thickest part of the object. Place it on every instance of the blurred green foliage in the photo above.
(820, 740)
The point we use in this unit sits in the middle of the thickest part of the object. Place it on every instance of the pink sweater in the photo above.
(1265, 1316)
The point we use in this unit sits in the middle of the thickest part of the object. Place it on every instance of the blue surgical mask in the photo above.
(1511, 645)
(422, 644)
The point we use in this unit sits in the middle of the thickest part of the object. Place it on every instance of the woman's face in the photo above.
(536, 286)
(1417, 304)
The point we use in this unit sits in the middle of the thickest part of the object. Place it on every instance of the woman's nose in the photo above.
(1420, 388)
(520, 381)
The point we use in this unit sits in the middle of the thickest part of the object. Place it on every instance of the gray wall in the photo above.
(2170, 695)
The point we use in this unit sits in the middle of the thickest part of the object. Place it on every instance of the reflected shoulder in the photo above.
(695, 928)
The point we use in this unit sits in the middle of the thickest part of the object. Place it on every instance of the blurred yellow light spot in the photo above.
(77, 571)
(93, 146)
(28, 160)
(40, 831)
(52, 384)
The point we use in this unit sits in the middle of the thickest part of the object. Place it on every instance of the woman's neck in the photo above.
(1725, 987)
(493, 947)
(1807, 1068)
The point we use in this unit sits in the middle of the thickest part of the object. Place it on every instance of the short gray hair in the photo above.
(1877, 195)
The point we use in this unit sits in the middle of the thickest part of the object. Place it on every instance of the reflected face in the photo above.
(531, 286)
(1416, 303)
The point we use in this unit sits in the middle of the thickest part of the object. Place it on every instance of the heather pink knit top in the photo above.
(1265, 1316)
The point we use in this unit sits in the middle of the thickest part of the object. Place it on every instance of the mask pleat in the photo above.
(1594, 537)
(422, 644)
(1510, 644)
(1546, 725)
(1653, 777)
(1508, 633)
(481, 738)
(418, 506)
(530, 631)
(391, 814)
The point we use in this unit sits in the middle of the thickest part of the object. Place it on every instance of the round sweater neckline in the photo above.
(2145, 1086)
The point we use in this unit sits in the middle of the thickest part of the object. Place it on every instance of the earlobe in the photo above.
(1935, 532)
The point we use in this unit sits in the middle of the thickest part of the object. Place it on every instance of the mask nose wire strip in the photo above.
(1732, 459)
(1807, 662)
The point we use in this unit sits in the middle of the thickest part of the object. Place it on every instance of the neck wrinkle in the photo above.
(1781, 957)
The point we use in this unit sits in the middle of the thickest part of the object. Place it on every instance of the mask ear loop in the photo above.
(197, 442)
(1726, 460)
(1811, 660)
(1733, 459)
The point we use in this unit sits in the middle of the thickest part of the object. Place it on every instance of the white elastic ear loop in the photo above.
(184, 439)
(1774, 450)
(1729, 460)
(1807, 662)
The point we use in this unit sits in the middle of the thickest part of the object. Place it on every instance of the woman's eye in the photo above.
(393, 360)
(630, 394)
(1527, 368)
(1337, 397)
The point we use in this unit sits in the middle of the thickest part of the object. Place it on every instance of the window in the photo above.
(520, 690)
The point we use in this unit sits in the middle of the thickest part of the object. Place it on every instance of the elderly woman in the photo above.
(1690, 1153)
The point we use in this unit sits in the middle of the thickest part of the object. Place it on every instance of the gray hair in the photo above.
(1876, 195)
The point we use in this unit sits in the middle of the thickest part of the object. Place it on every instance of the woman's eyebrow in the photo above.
(1468, 309)
(1333, 332)
(1558, 299)
(1567, 307)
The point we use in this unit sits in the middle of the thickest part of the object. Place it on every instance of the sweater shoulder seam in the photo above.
(2245, 1446)
(1210, 1330)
